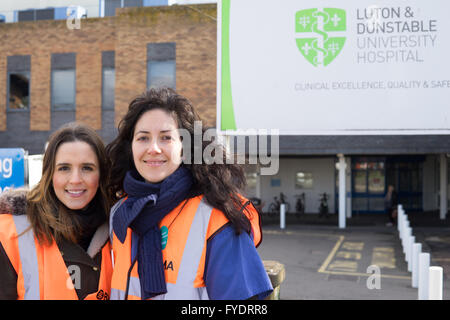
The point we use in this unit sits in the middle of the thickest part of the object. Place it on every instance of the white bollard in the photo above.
(411, 241)
(435, 283)
(400, 214)
(401, 226)
(424, 265)
(417, 249)
(406, 236)
(282, 216)
(405, 226)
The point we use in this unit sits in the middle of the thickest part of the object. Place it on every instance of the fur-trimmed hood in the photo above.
(13, 201)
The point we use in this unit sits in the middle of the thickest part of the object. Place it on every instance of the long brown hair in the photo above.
(49, 218)
(220, 183)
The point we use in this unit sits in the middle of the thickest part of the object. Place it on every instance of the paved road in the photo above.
(324, 262)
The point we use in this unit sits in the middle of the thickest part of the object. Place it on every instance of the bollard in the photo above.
(406, 236)
(411, 241)
(435, 283)
(406, 226)
(400, 218)
(417, 248)
(282, 216)
(424, 265)
(401, 226)
(277, 274)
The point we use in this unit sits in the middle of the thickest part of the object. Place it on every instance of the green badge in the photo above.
(313, 29)
(164, 236)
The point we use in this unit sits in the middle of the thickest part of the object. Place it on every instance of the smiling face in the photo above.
(77, 174)
(156, 145)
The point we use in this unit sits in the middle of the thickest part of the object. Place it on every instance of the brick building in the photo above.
(51, 73)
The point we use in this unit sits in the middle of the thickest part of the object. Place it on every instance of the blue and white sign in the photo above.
(12, 168)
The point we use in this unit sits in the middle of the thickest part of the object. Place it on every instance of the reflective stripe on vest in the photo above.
(184, 286)
(41, 270)
(28, 258)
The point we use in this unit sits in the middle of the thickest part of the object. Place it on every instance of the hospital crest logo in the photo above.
(320, 34)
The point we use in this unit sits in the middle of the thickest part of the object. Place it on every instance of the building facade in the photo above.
(51, 74)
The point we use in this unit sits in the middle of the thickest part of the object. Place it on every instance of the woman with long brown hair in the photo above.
(181, 228)
(54, 240)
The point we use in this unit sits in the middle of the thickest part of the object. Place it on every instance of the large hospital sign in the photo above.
(353, 67)
(12, 168)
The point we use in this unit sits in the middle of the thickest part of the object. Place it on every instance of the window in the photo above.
(109, 79)
(36, 14)
(45, 14)
(19, 90)
(63, 89)
(26, 15)
(132, 3)
(18, 82)
(156, 3)
(252, 179)
(304, 180)
(111, 6)
(63, 81)
(161, 65)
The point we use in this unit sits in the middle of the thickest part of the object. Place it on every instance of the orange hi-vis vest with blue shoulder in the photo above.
(41, 271)
(185, 232)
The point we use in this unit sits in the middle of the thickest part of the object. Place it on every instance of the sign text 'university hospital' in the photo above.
(393, 34)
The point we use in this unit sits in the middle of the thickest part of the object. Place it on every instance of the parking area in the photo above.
(324, 262)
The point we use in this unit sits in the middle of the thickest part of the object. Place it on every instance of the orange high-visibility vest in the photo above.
(41, 271)
(188, 227)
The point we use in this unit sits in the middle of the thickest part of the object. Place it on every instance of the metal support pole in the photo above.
(342, 192)
(282, 216)
(443, 187)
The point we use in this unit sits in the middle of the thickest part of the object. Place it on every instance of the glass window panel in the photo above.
(252, 178)
(63, 88)
(360, 165)
(376, 181)
(304, 180)
(404, 181)
(156, 2)
(26, 15)
(132, 3)
(45, 14)
(359, 204)
(109, 80)
(19, 90)
(161, 74)
(376, 204)
(360, 182)
(110, 7)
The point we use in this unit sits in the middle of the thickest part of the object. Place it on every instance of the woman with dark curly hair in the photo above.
(181, 229)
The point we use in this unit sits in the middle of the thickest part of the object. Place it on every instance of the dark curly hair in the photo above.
(221, 183)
